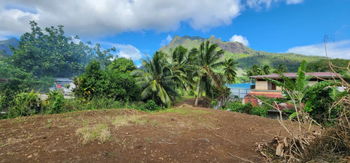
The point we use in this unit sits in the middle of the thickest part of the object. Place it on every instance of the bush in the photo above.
(260, 111)
(102, 103)
(2, 102)
(239, 107)
(25, 104)
(55, 102)
(247, 108)
(150, 105)
(99, 83)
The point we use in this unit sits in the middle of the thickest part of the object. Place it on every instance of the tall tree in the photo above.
(230, 70)
(208, 59)
(156, 80)
(48, 52)
(180, 62)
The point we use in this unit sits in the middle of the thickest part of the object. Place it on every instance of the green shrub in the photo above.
(2, 102)
(150, 105)
(247, 108)
(99, 83)
(260, 111)
(239, 107)
(55, 102)
(101, 103)
(25, 104)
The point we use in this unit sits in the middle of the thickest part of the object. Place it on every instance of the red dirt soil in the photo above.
(183, 134)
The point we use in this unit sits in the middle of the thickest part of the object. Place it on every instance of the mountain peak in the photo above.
(6, 44)
(190, 42)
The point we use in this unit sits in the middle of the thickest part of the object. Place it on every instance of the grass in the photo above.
(99, 132)
(125, 120)
(184, 111)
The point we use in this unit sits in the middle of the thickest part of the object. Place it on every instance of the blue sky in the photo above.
(138, 28)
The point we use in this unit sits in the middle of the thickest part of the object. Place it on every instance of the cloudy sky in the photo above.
(139, 27)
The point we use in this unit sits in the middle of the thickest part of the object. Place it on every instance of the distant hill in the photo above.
(5, 46)
(245, 56)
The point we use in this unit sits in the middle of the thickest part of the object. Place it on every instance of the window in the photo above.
(271, 86)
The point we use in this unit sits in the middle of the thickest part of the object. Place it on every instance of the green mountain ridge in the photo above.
(245, 56)
(5, 46)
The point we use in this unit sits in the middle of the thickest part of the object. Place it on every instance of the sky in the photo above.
(137, 28)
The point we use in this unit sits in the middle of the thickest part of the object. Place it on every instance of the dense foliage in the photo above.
(315, 99)
(156, 81)
(237, 106)
(48, 52)
(113, 82)
(25, 104)
(200, 70)
(18, 81)
(55, 102)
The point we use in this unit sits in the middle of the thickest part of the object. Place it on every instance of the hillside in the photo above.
(245, 56)
(5, 46)
(183, 134)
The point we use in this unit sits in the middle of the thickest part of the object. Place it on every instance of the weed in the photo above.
(125, 120)
(49, 124)
(99, 132)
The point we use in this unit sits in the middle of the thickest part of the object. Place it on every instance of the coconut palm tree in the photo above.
(180, 64)
(156, 80)
(208, 60)
(230, 70)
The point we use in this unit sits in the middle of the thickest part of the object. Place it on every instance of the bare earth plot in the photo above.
(182, 134)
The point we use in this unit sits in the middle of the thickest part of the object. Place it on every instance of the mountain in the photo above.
(245, 56)
(5, 46)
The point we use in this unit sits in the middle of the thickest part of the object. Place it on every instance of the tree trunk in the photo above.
(198, 93)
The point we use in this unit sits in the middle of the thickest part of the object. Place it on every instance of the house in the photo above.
(266, 88)
(66, 85)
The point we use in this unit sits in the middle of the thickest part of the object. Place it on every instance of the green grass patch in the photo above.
(184, 111)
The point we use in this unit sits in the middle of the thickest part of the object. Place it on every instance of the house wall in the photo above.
(261, 85)
(279, 88)
(311, 83)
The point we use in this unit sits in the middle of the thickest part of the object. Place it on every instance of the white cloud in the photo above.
(128, 51)
(339, 49)
(240, 39)
(166, 41)
(15, 21)
(258, 4)
(104, 17)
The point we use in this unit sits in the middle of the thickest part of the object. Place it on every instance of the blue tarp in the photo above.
(240, 90)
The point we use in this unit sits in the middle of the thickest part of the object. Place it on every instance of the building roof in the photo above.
(294, 75)
(63, 80)
(268, 94)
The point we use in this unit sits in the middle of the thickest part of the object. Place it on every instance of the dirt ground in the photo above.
(181, 134)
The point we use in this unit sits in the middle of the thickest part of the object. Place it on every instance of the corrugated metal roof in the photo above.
(294, 75)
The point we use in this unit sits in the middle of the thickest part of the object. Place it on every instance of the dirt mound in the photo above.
(183, 134)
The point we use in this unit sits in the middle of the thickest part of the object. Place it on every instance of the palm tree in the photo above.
(180, 64)
(208, 59)
(230, 70)
(265, 69)
(156, 80)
